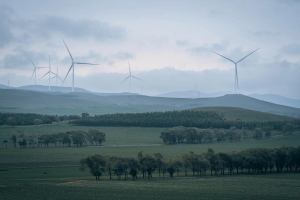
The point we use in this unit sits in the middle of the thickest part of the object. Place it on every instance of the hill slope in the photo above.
(278, 99)
(232, 113)
(129, 103)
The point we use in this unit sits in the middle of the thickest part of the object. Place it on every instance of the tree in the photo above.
(257, 133)
(13, 137)
(149, 163)
(37, 122)
(159, 161)
(11, 121)
(268, 131)
(171, 168)
(133, 166)
(5, 141)
(245, 133)
(98, 136)
(289, 127)
(95, 163)
(85, 115)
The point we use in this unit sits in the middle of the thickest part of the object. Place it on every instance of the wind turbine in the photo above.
(142, 89)
(196, 92)
(130, 76)
(34, 70)
(236, 81)
(57, 76)
(73, 66)
(49, 73)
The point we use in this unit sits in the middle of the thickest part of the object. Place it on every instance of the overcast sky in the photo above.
(168, 44)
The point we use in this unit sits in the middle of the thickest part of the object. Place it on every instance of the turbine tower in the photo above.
(34, 70)
(236, 81)
(57, 77)
(196, 91)
(142, 89)
(73, 66)
(130, 76)
(49, 73)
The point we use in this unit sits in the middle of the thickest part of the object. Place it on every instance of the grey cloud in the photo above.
(182, 42)
(293, 49)
(19, 59)
(5, 34)
(123, 56)
(99, 31)
(209, 48)
(261, 33)
(99, 58)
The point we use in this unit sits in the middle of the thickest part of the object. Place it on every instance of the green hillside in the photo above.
(232, 113)
(75, 103)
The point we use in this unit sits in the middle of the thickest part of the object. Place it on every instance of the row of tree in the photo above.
(77, 138)
(187, 118)
(192, 135)
(251, 161)
(18, 119)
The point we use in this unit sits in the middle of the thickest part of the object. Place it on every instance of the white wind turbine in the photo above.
(142, 89)
(57, 76)
(196, 91)
(49, 73)
(34, 70)
(73, 66)
(129, 77)
(236, 81)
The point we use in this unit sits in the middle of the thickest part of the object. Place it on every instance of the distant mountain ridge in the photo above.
(27, 99)
(192, 94)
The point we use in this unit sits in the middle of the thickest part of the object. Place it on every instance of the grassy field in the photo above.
(46, 173)
(120, 141)
(70, 183)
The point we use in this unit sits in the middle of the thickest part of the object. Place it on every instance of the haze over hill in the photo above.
(75, 103)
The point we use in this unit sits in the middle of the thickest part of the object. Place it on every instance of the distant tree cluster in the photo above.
(66, 139)
(192, 135)
(187, 118)
(250, 161)
(22, 119)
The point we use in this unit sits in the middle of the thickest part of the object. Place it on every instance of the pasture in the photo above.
(53, 173)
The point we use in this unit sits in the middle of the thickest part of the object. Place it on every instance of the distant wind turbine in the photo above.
(236, 81)
(129, 77)
(34, 70)
(142, 89)
(57, 76)
(49, 73)
(73, 66)
(196, 92)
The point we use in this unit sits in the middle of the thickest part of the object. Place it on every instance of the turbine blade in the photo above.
(32, 62)
(85, 63)
(68, 72)
(224, 57)
(32, 74)
(68, 50)
(54, 73)
(53, 77)
(136, 78)
(124, 80)
(247, 56)
(44, 75)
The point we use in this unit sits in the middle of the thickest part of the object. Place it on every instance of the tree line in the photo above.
(187, 118)
(65, 139)
(23, 119)
(250, 161)
(192, 135)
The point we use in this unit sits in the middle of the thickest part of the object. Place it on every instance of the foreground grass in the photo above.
(272, 186)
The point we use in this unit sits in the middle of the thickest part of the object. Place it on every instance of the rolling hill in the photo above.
(12, 100)
(278, 99)
(232, 113)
